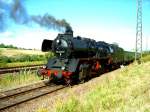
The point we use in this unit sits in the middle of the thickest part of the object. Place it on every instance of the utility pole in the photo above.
(138, 47)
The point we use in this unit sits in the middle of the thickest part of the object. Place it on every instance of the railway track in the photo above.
(17, 69)
(17, 96)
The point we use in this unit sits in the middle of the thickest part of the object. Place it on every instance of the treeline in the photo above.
(7, 46)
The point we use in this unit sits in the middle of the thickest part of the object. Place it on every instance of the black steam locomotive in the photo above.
(77, 58)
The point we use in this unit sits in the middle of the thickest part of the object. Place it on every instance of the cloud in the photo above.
(27, 39)
(6, 34)
(32, 38)
(125, 37)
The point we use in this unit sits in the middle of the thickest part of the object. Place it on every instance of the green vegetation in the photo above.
(128, 91)
(21, 58)
(13, 52)
(42, 110)
(10, 56)
(146, 56)
(13, 80)
(7, 46)
(145, 53)
(24, 59)
(18, 57)
(18, 64)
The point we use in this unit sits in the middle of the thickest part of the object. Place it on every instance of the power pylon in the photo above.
(138, 47)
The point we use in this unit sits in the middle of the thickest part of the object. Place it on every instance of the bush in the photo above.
(23, 58)
(146, 58)
(5, 59)
(49, 55)
(145, 53)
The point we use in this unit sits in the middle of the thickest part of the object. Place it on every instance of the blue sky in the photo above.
(102, 20)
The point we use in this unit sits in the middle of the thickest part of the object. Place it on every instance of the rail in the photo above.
(20, 95)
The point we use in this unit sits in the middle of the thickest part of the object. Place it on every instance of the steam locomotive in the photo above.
(77, 58)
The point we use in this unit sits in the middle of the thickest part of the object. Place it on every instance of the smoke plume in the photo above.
(49, 21)
(14, 10)
(18, 12)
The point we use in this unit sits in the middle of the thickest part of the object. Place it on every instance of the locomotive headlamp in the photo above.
(57, 41)
(63, 67)
(44, 66)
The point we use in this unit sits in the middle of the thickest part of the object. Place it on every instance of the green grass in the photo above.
(13, 80)
(146, 58)
(129, 91)
(17, 64)
(19, 57)
(12, 52)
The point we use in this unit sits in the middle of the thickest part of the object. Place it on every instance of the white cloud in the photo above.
(125, 37)
(27, 39)
(6, 34)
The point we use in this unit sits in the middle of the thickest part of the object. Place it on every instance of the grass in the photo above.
(146, 58)
(13, 80)
(18, 57)
(12, 52)
(17, 64)
(128, 91)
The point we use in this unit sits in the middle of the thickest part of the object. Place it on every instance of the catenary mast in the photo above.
(138, 47)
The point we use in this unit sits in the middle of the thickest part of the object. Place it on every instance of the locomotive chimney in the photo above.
(69, 31)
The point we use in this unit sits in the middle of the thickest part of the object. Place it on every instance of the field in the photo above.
(18, 64)
(19, 57)
(13, 52)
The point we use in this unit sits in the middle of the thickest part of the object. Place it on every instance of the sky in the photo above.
(103, 20)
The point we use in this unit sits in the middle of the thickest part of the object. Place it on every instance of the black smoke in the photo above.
(12, 10)
(15, 10)
(18, 12)
(49, 21)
